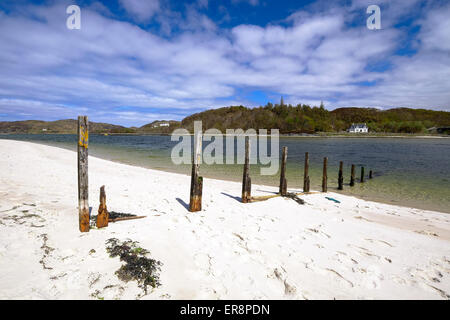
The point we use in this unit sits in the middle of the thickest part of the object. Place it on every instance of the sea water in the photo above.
(411, 172)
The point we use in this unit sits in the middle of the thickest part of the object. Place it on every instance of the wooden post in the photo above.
(306, 175)
(283, 181)
(103, 214)
(324, 176)
(195, 201)
(362, 174)
(352, 177)
(341, 177)
(83, 194)
(370, 174)
(246, 180)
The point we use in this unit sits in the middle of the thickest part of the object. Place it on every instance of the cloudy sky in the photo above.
(135, 61)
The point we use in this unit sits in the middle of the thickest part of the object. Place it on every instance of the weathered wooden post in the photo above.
(362, 174)
(306, 174)
(103, 214)
(246, 180)
(195, 202)
(352, 177)
(283, 181)
(83, 194)
(324, 176)
(341, 176)
(370, 174)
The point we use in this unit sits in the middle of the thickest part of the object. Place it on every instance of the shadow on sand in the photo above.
(184, 204)
(232, 197)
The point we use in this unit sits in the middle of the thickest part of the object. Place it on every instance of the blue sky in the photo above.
(136, 61)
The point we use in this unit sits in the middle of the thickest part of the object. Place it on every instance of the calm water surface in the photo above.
(407, 171)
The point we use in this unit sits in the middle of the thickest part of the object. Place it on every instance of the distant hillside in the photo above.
(59, 126)
(306, 119)
(287, 118)
(70, 126)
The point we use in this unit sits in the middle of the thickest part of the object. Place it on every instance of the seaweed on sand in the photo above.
(137, 265)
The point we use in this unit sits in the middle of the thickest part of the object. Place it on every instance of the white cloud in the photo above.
(109, 64)
(435, 33)
(142, 10)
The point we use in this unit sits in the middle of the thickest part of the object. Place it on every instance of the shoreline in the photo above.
(284, 135)
(378, 199)
(274, 249)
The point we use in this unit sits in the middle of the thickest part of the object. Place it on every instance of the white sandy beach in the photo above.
(275, 249)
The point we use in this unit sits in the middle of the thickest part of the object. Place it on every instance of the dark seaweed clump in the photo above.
(137, 265)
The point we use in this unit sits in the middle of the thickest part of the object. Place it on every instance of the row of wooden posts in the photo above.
(195, 201)
(306, 180)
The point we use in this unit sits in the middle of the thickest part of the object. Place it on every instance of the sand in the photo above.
(275, 249)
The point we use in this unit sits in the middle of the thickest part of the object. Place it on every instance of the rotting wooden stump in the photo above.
(83, 192)
(341, 176)
(306, 174)
(283, 181)
(195, 200)
(325, 175)
(352, 176)
(362, 174)
(247, 190)
(246, 180)
(103, 214)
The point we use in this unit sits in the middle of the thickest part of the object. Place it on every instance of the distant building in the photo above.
(161, 124)
(359, 127)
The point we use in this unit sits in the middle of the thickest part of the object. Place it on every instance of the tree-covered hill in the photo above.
(306, 119)
(287, 118)
(394, 120)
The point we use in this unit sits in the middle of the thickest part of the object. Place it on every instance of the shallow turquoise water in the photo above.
(413, 172)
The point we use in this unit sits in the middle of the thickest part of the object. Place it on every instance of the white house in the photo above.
(161, 124)
(359, 127)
